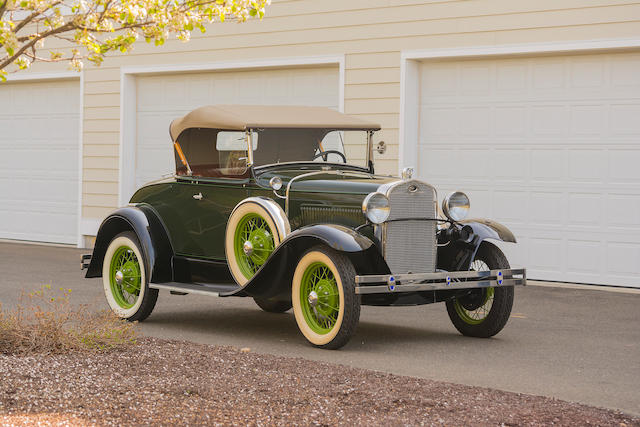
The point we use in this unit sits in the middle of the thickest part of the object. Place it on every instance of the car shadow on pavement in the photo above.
(253, 325)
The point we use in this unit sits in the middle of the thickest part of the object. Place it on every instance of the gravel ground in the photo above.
(175, 382)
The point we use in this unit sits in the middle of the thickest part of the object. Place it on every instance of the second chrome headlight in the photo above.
(456, 206)
(376, 208)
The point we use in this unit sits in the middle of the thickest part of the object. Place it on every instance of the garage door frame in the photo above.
(128, 99)
(26, 77)
(410, 77)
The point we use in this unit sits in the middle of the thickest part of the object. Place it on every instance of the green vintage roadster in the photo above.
(283, 205)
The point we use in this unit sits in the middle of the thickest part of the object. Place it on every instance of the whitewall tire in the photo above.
(252, 235)
(325, 305)
(124, 279)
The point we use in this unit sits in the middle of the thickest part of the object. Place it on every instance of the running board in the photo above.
(213, 290)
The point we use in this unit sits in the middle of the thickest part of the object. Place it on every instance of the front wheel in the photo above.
(325, 305)
(124, 279)
(483, 312)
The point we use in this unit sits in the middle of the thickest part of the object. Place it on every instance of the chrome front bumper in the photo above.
(448, 280)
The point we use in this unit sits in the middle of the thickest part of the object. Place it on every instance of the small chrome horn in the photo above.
(407, 173)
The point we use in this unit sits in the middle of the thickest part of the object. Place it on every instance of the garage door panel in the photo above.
(585, 258)
(624, 118)
(549, 121)
(587, 165)
(548, 146)
(161, 99)
(549, 165)
(39, 161)
(624, 165)
(624, 70)
(585, 209)
(546, 254)
(509, 164)
(225, 90)
(622, 258)
(510, 121)
(438, 122)
(510, 206)
(547, 208)
(623, 210)
(588, 119)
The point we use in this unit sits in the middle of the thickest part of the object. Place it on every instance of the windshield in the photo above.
(311, 145)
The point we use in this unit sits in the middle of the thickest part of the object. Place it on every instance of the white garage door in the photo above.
(549, 146)
(39, 161)
(160, 99)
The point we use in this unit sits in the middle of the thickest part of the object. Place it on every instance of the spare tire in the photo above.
(256, 227)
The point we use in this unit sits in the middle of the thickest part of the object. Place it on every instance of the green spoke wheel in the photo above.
(325, 305)
(255, 229)
(124, 279)
(483, 312)
(474, 314)
(319, 298)
(253, 243)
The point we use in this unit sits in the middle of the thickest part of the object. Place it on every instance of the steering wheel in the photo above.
(325, 153)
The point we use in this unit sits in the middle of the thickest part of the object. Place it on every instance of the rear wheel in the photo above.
(483, 312)
(124, 279)
(325, 305)
(273, 306)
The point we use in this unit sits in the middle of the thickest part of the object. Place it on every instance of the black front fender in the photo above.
(273, 280)
(152, 235)
(456, 252)
(488, 229)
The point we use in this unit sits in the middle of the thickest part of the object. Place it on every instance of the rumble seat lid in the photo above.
(244, 117)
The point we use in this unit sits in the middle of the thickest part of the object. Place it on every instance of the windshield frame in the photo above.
(369, 153)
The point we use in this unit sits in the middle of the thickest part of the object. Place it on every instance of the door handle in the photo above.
(198, 196)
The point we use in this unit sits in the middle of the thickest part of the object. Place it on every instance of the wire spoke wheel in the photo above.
(325, 305)
(483, 312)
(474, 308)
(125, 277)
(253, 243)
(319, 298)
(256, 226)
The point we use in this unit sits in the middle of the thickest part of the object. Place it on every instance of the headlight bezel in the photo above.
(459, 211)
(369, 211)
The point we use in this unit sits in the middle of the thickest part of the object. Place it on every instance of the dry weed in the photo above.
(45, 322)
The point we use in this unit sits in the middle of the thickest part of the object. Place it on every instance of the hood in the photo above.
(335, 181)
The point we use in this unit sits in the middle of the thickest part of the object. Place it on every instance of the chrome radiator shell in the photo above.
(409, 236)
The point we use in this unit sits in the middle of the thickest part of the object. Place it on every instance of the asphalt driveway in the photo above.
(572, 344)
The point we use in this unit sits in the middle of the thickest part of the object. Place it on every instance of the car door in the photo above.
(212, 179)
(204, 207)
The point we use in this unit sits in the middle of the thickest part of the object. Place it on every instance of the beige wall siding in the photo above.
(370, 34)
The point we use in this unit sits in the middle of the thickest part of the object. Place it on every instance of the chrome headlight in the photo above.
(376, 208)
(456, 206)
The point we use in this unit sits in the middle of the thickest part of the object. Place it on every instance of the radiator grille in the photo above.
(350, 217)
(410, 245)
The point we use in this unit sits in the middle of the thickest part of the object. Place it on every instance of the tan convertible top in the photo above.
(244, 117)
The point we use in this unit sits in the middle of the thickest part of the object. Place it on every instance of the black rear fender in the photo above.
(151, 233)
(273, 280)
